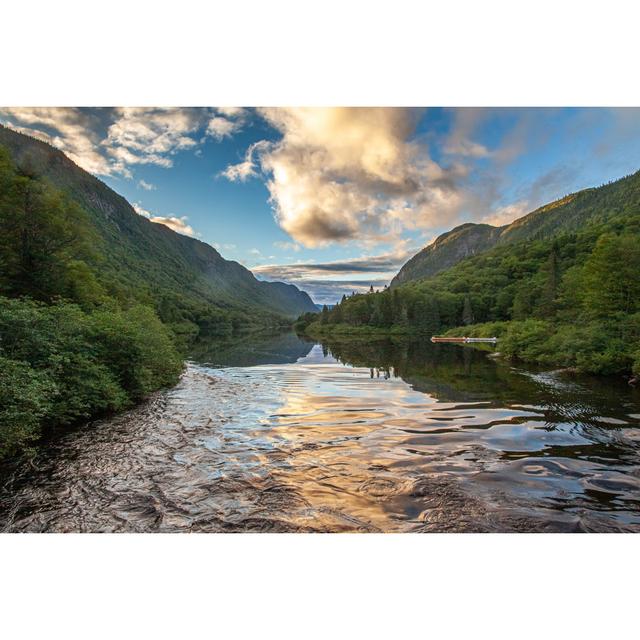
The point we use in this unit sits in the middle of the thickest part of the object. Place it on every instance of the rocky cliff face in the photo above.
(447, 250)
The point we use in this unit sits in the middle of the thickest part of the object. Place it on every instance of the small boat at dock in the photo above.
(463, 339)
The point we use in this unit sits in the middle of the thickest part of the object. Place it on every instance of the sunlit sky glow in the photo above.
(335, 199)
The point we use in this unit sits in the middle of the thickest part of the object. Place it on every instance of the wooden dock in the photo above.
(463, 339)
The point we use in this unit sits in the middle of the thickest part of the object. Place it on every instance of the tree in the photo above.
(612, 276)
(44, 239)
(551, 270)
(467, 311)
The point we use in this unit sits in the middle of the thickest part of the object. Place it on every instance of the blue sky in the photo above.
(336, 199)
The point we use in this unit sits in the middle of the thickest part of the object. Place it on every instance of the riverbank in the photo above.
(394, 435)
(61, 365)
(593, 348)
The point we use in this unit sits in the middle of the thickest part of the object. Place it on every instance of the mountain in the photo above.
(566, 215)
(447, 249)
(147, 260)
(558, 287)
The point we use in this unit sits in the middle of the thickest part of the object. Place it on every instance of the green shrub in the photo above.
(137, 349)
(61, 364)
(25, 398)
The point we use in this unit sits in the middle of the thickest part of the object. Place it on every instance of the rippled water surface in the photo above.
(279, 434)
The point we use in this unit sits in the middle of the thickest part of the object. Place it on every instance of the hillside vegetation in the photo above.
(563, 290)
(567, 215)
(96, 302)
(190, 285)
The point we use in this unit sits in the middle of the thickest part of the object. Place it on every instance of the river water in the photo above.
(280, 434)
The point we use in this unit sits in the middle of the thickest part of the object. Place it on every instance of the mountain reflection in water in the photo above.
(278, 434)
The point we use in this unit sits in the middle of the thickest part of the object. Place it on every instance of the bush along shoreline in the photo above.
(61, 365)
(77, 341)
(607, 348)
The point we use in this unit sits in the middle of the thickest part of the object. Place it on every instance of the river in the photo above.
(276, 433)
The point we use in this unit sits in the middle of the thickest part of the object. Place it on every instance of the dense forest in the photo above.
(569, 295)
(94, 314)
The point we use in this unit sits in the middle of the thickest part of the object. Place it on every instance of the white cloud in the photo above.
(248, 168)
(341, 174)
(176, 223)
(147, 186)
(73, 132)
(465, 124)
(507, 214)
(111, 142)
(229, 120)
(232, 112)
(141, 135)
(219, 128)
(227, 246)
(287, 246)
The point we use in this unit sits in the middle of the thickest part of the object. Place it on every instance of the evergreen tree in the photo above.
(547, 304)
(467, 311)
(43, 238)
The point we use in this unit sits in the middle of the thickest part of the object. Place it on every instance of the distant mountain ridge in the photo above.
(138, 250)
(567, 214)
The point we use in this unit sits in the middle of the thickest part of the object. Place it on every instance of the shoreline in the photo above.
(349, 332)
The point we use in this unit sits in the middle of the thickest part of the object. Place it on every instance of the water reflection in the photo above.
(251, 350)
(278, 433)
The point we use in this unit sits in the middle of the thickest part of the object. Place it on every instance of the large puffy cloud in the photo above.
(340, 174)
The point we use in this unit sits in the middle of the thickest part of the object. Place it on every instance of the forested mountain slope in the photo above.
(149, 261)
(560, 286)
(567, 215)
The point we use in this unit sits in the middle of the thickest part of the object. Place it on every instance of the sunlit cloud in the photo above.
(507, 214)
(147, 186)
(339, 174)
(220, 128)
(176, 223)
(112, 141)
(72, 130)
(142, 135)
(248, 168)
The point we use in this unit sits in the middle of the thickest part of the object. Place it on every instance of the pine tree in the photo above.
(547, 305)
(467, 311)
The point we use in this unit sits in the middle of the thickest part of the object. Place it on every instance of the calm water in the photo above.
(280, 434)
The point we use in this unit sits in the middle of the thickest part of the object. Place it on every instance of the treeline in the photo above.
(60, 363)
(69, 349)
(74, 342)
(573, 300)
